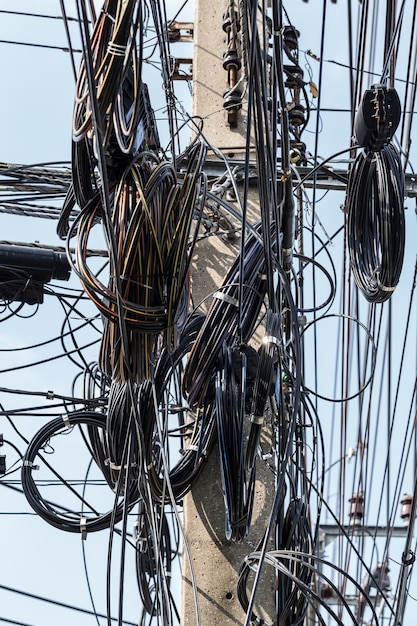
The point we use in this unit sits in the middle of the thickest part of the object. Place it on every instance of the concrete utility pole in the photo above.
(215, 561)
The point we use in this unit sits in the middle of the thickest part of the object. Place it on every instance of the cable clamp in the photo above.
(271, 339)
(257, 419)
(193, 447)
(83, 528)
(30, 464)
(224, 296)
(50, 395)
(410, 560)
(66, 421)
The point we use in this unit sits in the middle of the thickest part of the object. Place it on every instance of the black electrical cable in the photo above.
(63, 605)
(151, 559)
(267, 364)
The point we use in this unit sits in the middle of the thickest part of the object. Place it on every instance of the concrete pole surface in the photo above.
(215, 561)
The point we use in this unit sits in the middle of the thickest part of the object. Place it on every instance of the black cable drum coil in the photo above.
(376, 225)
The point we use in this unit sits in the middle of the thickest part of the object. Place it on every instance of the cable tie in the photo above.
(66, 421)
(257, 419)
(224, 296)
(30, 464)
(116, 49)
(271, 339)
(113, 466)
(83, 527)
(385, 288)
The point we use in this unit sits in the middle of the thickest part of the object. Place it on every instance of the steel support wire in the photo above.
(376, 222)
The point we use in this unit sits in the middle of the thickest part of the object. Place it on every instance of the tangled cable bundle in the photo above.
(227, 315)
(297, 568)
(243, 381)
(152, 218)
(154, 561)
(296, 574)
(268, 361)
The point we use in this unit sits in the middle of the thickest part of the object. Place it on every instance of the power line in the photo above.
(63, 605)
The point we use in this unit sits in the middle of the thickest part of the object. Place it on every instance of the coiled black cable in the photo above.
(376, 224)
(56, 515)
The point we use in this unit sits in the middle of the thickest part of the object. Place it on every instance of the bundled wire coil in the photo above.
(166, 415)
(285, 562)
(376, 225)
(116, 57)
(60, 517)
(238, 484)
